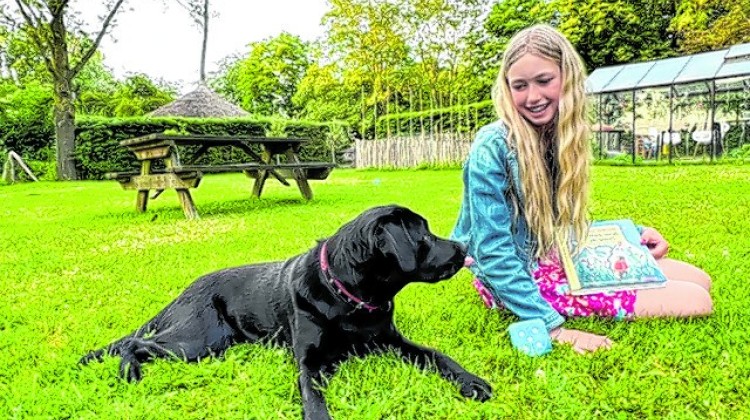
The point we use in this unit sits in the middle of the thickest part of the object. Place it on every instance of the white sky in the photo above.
(158, 37)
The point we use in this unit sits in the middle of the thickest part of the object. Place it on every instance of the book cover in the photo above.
(612, 258)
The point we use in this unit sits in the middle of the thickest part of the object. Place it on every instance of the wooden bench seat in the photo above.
(312, 170)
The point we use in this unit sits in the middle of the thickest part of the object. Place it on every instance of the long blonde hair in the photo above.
(568, 216)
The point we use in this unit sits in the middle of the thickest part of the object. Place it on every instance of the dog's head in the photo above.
(390, 246)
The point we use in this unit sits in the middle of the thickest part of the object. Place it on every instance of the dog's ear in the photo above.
(397, 242)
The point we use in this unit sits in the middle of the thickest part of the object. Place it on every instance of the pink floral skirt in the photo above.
(553, 286)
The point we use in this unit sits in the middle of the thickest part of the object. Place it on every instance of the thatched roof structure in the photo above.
(200, 103)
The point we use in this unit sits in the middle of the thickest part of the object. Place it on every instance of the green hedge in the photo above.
(98, 150)
(26, 125)
(456, 119)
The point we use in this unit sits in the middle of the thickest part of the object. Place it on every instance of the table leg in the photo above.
(260, 181)
(141, 201)
(304, 186)
(299, 176)
(186, 201)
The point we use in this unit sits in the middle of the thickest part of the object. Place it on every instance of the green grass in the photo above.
(80, 268)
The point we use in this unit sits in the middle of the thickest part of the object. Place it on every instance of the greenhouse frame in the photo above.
(630, 101)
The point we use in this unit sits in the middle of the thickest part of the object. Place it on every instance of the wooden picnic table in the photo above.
(163, 150)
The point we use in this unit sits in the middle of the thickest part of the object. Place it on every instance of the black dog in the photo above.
(326, 304)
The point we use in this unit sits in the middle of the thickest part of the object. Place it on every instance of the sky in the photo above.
(158, 37)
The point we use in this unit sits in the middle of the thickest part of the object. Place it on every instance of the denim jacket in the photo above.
(498, 241)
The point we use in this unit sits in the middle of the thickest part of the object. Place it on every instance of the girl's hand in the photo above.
(656, 243)
(581, 341)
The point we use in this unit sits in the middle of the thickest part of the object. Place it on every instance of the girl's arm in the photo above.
(497, 261)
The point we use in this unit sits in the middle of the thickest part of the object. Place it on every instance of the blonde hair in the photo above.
(567, 216)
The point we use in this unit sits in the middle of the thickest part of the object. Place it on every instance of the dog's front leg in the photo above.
(471, 385)
(307, 338)
(313, 401)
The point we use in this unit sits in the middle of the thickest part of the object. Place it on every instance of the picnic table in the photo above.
(162, 168)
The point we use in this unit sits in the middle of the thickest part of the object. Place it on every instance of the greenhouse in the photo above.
(674, 108)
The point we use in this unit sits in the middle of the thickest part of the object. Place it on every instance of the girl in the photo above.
(526, 180)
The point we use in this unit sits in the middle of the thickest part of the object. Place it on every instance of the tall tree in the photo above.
(325, 94)
(441, 35)
(607, 32)
(199, 12)
(363, 38)
(46, 23)
(265, 81)
(708, 25)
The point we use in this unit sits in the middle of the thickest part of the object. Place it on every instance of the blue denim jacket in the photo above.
(499, 242)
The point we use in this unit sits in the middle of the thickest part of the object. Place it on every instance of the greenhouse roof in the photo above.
(722, 64)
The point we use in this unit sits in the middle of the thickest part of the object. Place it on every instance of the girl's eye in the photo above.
(518, 86)
(544, 81)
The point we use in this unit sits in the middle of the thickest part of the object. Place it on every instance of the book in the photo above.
(611, 258)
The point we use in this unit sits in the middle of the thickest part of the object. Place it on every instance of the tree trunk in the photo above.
(64, 108)
(205, 42)
(65, 131)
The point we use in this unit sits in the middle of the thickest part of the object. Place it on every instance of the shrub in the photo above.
(26, 118)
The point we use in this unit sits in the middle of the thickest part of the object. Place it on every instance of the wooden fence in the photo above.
(400, 152)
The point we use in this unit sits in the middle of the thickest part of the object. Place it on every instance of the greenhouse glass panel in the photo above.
(663, 72)
(734, 68)
(689, 89)
(741, 50)
(701, 67)
(733, 84)
(628, 78)
(601, 77)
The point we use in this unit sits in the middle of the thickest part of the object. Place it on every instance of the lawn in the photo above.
(81, 268)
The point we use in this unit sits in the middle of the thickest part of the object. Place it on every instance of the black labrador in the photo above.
(331, 302)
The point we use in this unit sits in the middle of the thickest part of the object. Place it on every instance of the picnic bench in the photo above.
(162, 167)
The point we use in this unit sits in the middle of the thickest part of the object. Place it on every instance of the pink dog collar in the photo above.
(339, 287)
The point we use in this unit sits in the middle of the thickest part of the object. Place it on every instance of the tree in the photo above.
(26, 118)
(324, 94)
(136, 96)
(607, 32)
(364, 38)
(199, 11)
(441, 35)
(709, 25)
(45, 23)
(265, 81)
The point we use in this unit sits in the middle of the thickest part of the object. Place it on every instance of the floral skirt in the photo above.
(553, 286)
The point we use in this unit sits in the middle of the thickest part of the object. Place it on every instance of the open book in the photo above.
(611, 258)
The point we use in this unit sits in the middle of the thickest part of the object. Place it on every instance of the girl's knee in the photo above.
(702, 303)
(703, 279)
(676, 299)
(682, 271)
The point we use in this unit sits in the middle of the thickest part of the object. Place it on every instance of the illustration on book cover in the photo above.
(612, 259)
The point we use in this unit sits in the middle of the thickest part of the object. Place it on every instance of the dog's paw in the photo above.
(475, 388)
(94, 356)
(131, 372)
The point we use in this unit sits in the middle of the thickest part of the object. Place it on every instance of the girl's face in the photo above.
(536, 85)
